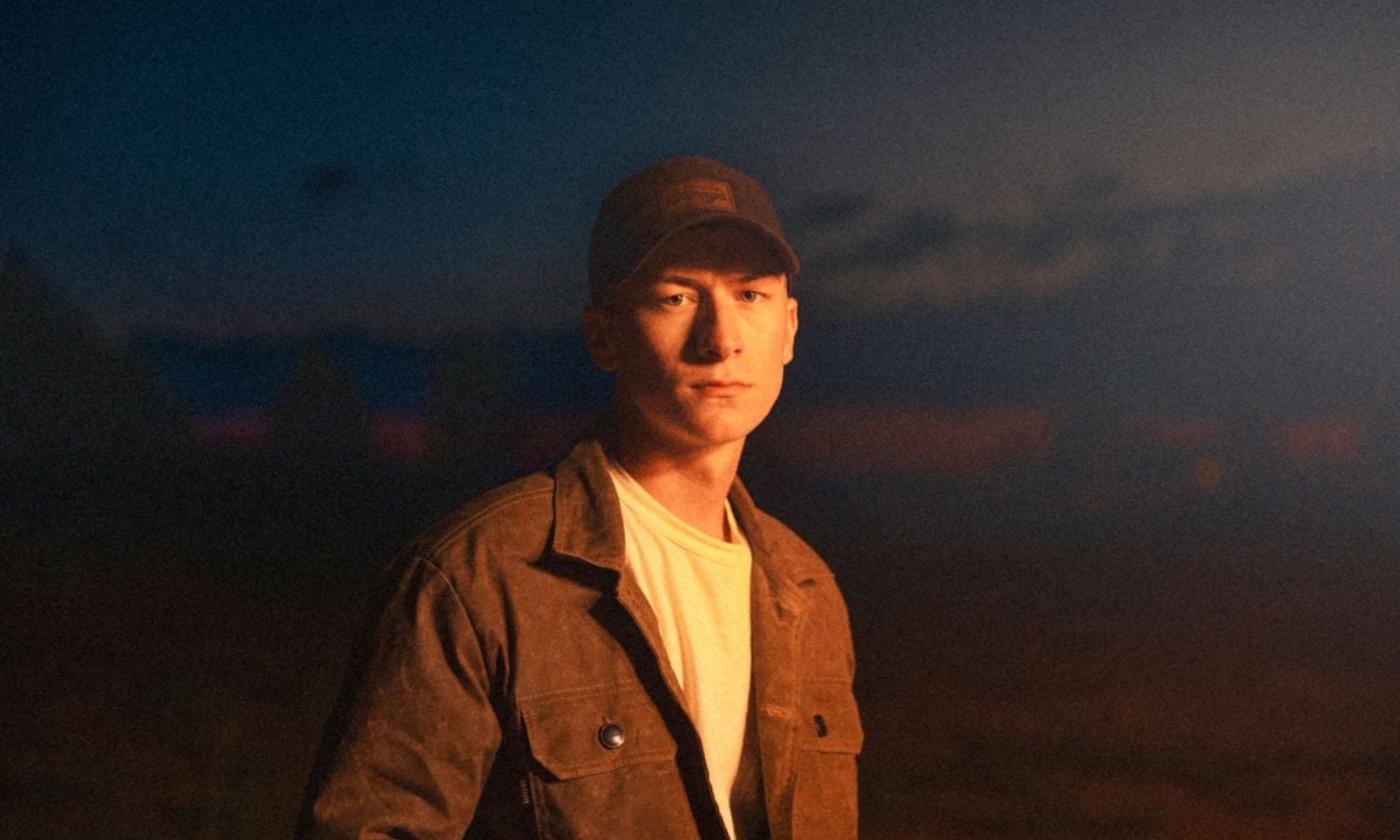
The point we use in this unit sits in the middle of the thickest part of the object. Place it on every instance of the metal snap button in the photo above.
(611, 736)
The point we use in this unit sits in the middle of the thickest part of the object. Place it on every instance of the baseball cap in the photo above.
(672, 195)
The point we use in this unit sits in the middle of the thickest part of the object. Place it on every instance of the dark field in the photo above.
(169, 672)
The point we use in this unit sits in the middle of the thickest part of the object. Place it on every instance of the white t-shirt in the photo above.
(698, 587)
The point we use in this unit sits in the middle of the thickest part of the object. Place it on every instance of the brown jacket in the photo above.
(513, 637)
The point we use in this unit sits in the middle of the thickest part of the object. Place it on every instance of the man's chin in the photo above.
(708, 427)
(711, 434)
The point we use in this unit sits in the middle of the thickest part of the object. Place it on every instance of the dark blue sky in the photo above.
(229, 169)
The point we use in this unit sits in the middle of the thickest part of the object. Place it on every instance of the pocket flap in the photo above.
(830, 721)
(584, 731)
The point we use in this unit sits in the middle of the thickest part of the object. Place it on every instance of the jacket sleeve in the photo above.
(408, 749)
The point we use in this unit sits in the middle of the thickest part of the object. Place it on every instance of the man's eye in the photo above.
(751, 296)
(677, 299)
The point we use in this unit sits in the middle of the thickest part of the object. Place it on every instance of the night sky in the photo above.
(278, 169)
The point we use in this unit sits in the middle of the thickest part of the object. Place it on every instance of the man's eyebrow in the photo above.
(675, 280)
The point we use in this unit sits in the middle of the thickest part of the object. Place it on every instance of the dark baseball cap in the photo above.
(666, 198)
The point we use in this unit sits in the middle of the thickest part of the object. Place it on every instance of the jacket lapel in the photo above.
(588, 527)
(778, 609)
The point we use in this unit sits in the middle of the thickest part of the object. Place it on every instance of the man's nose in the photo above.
(717, 331)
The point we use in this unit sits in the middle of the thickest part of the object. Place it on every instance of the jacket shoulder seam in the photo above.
(433, 545)
(446, 580)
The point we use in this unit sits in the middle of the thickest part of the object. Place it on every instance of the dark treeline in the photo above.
(93, 438)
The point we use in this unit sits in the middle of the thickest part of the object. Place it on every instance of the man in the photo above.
(622, 646)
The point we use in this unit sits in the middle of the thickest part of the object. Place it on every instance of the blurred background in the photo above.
(1095, 409)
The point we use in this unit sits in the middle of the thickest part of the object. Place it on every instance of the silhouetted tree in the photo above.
(319, 419)
(67, 397)
(469, 412)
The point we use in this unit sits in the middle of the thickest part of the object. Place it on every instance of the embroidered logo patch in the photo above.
(699, 194)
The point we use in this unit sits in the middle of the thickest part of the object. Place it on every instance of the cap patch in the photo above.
(698, 194)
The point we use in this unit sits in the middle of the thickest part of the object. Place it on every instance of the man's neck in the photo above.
(693, 485)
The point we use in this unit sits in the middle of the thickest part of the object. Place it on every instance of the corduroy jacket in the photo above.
(513, 684)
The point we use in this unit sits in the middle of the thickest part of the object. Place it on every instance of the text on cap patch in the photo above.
(698, 194)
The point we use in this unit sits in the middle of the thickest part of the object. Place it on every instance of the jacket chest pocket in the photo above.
(829, 739)
(603, 765)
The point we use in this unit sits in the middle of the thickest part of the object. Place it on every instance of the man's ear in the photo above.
(791, 328)
(598, 337)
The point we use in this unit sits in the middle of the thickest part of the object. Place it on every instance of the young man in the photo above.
(622, 646)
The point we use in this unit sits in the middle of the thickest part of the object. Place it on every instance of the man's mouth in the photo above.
(720, 387)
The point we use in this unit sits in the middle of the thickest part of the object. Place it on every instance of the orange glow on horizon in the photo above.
(1177, 430)
(901, 439)
(241, 431)
(400, 437)
(1334, 438)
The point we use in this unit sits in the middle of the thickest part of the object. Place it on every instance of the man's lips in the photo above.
(719, 387)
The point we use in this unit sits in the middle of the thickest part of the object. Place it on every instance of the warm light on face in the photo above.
(698, 338)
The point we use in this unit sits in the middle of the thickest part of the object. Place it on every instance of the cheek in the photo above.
(778, 344)
(642, 363)
(663, 344)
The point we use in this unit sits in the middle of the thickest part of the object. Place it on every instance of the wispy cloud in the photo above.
(823, 210)
(906, 239)
(926, 256)
(1338, 230)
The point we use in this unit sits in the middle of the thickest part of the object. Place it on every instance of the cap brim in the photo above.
(769, 237)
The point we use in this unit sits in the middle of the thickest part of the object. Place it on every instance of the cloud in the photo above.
(831, 208)
(903, 240)
(1323, 243)
(928, 256)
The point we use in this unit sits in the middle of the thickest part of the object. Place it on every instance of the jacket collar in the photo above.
(587, 513)
(588, 516)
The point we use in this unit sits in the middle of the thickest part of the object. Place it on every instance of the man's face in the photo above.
(698, 338)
